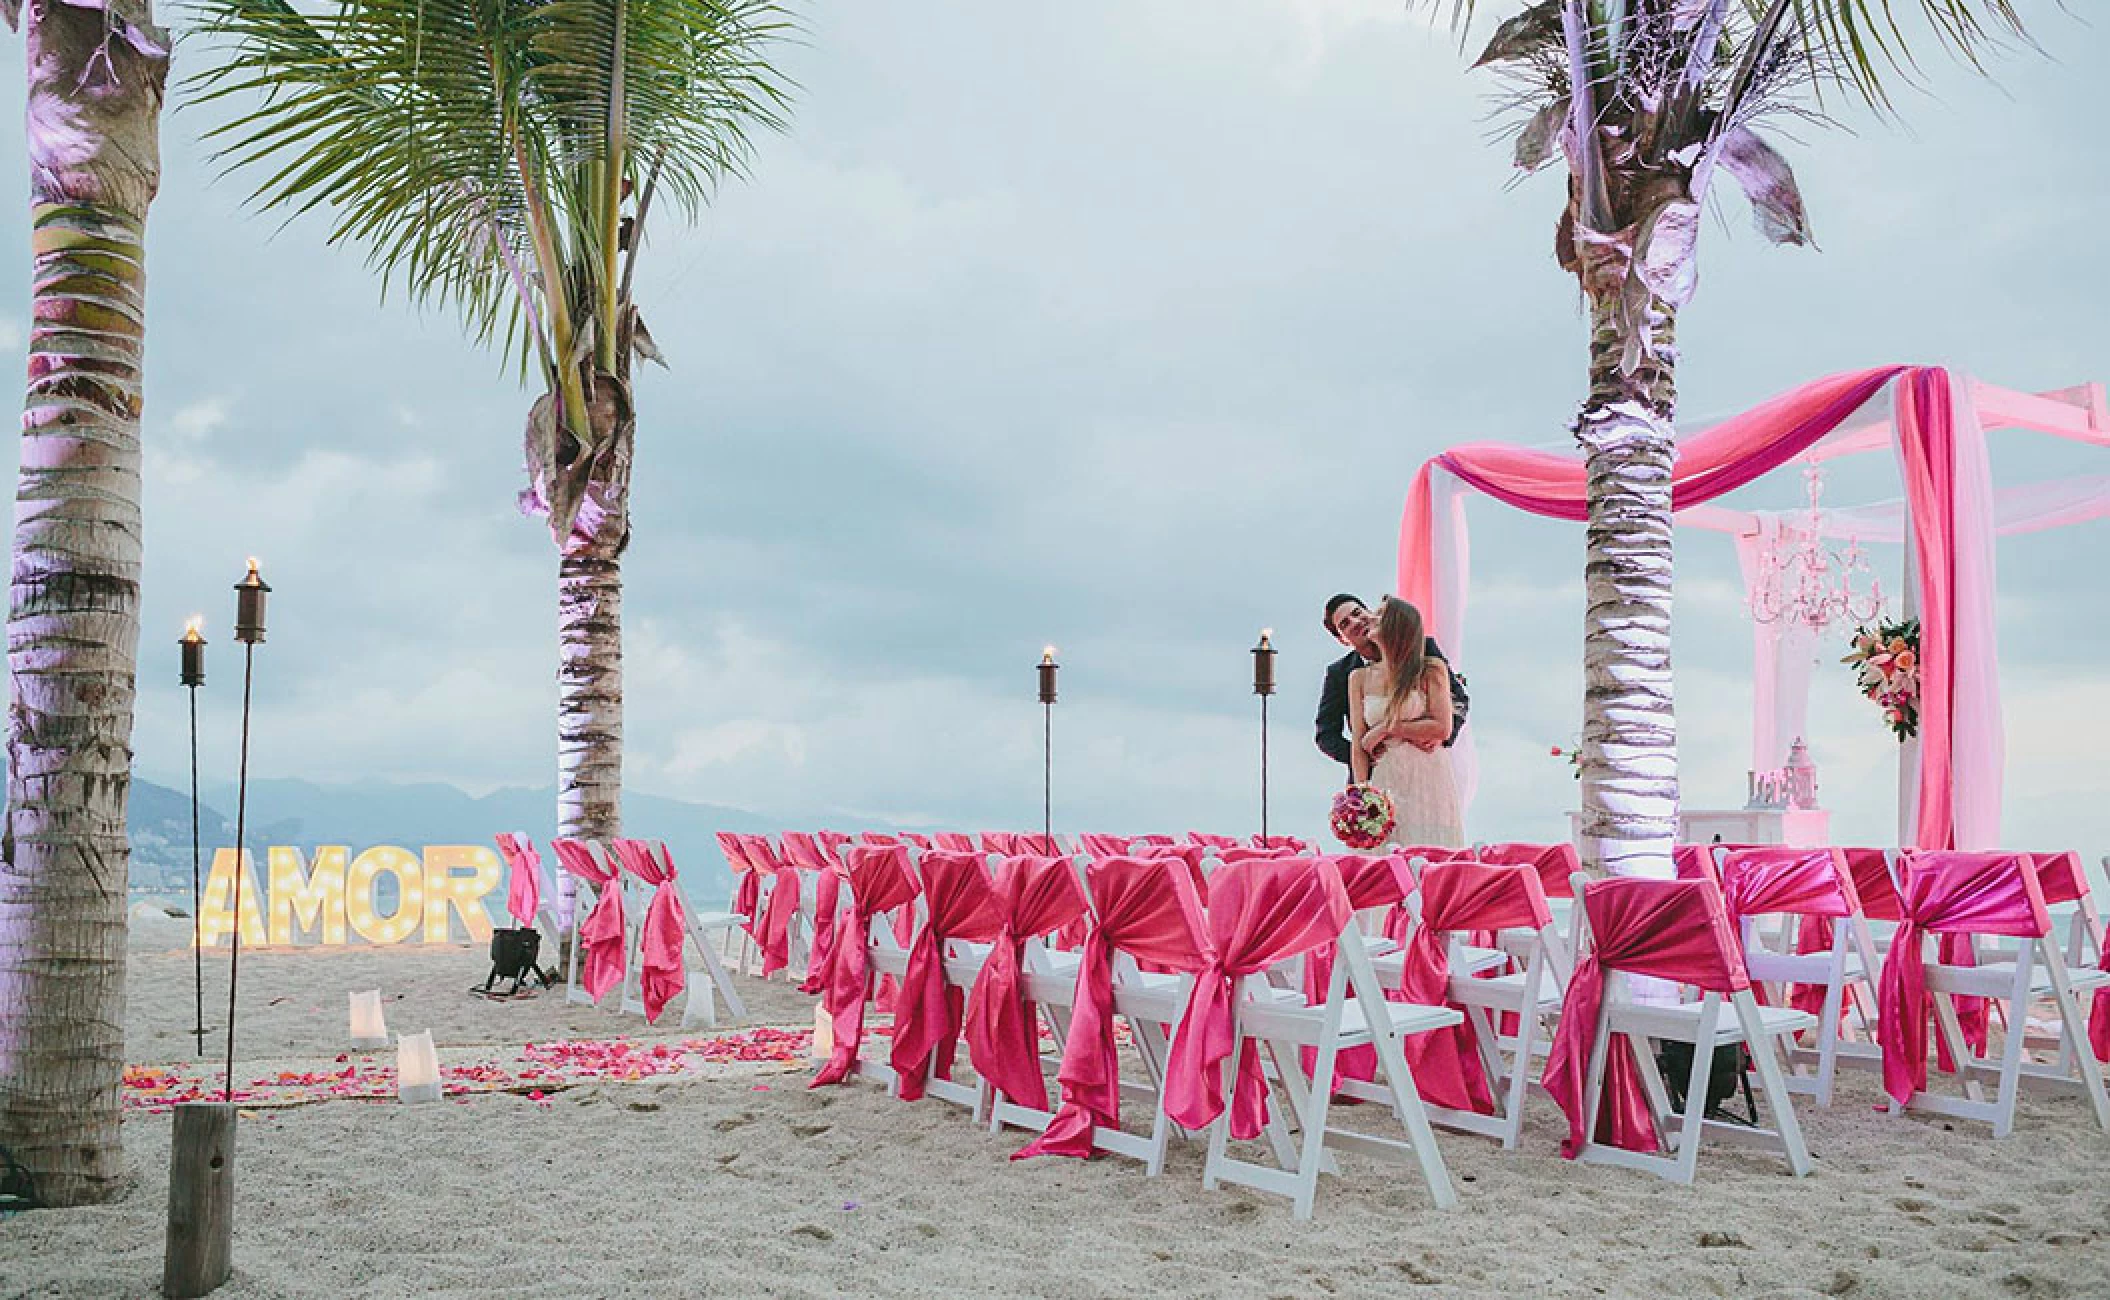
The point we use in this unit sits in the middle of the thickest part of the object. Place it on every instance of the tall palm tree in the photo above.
(501, 157)
(1646, 102)
(96, 73)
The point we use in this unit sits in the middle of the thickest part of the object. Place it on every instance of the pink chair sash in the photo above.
(1034, 896)
(747, 893)
(879, 882)
(1148, 909)
(960, 902)
(1245, 853)
(1555, 863)
(601, 960)
(771, 926)
(523, 877)
(1105, 846)
(1370, 882)
(1260, 913)
(1946, 893)
(834, 842)
(2062, 879)
(1290, 842)
(1150, 841)
(1459, 896)
(1190, 855)
(1814, 884)
(1671, 929)
(954, 841)
(1208, 841)
(1694, 862)
(1878, 893)
(661, 972)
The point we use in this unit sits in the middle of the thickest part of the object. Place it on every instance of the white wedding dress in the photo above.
(1423, 788)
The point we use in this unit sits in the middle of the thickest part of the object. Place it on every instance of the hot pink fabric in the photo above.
(1035, 896)
(827, 904)
(1555, 863)
(2062, 879)
(661, 974)
(1872, 884)
(523, 877)
(1105, 846)
(1243, 854)
(601, 960)
(1459, 896)
(1946, 893)
(1260, 913)
(1814, 884)
(1190, 855)
(920, 841)
(1370, 882)
(1290, 842)
(1214, 841)
(771, 926)
(1694, 862)
(960, 902)
(1670, 929)
(879, 882)
(1735, 452)
(954, 841)
(747, 893)
(1147, 908)
(1150, 841)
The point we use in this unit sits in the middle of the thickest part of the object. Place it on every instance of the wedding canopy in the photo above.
(1936, 421)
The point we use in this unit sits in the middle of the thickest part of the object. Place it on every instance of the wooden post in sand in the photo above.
(200, 1252)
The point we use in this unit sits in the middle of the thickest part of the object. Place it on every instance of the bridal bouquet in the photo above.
(1886, 660)
(1362, 816)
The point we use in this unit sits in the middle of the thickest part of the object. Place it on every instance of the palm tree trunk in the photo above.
(1629, 744)
(590, 690)
(73, 619)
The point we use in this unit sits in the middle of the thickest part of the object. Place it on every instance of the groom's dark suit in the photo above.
(1334, 734)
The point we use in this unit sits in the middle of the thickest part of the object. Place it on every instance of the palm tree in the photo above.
(96, 74)
(1645, 101)
(501, 157)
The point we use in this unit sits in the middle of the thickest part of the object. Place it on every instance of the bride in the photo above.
(1400, 710)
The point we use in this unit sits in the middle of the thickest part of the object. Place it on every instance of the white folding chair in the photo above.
(1354, 1013)
(1705, 1025)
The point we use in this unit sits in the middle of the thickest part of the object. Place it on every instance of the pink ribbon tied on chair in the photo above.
(1260, 912)
(1105, 846)
(1034, 896)
(954, 842)
(771, 928)
(1219, 842)
(601, 937)
(661, 972)
(1290, 842)
(1555, 863)
(523, 877)
(1147, 908)
(1949, 893)
(747, 894)
(960, 902)
(1813, 884)
(1459, 896)
(1370, 882)
(2062, 879)
(1670, 929)
(879, 882)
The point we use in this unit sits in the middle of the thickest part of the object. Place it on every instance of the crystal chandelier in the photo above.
(1799, 581)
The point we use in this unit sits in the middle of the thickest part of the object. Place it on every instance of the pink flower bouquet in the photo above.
(1362, 816)
(1886, 662)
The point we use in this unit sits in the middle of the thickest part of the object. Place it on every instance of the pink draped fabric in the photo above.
(747, 894)
(1555, 863)
(1370, 882)
(1189, 855)
(920, 841)
(954, 841)
(1214, 841)
(1244, 854)
(523, 877)
(1670, 929)
(1946, 893)
(1147, 908)
(1150, 841)
(661, 972)
(960, 902)
(1878, 893)
(1034, 896)
(771, 926)
(1105, 846)
(1290, 842)
(879, 882)
(601, 935)
(1459, 896)
(1814, 884)
(1945, 512)
(2062, 879)
(1260, 913)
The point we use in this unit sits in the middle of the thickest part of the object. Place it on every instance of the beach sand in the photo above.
(738, 1181)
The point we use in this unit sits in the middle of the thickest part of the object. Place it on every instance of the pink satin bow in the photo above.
(959, 903)
(1034, 897)
(661, 974)
(601, 935)
(523, 877)
(879, 882)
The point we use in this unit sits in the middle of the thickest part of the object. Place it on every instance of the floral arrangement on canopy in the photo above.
(1886, 662)
(1573, 754)
(1362, 816)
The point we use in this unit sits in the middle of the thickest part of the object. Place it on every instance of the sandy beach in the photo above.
(735, 1180)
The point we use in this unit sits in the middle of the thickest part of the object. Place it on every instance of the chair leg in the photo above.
(1313, 1118)
(1414, 1118)
(1693, 1126)
(1775, 1087)
(2074, 1032)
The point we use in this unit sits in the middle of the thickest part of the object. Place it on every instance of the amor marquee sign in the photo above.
(337, 898)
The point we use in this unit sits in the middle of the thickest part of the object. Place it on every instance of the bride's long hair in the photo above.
(1402, 642)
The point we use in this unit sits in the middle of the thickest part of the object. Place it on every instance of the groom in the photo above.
(1350, 623)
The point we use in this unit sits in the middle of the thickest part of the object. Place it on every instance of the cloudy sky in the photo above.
(1121, 324)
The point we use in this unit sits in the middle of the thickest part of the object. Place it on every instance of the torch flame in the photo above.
(1047, 655)
(195, 627)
